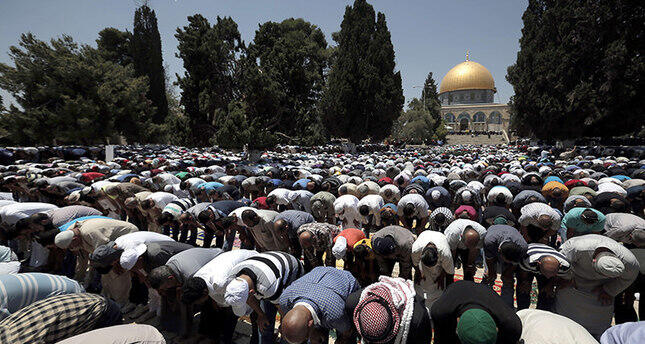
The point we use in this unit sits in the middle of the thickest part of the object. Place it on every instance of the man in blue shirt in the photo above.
(315, 303)
(20, 290)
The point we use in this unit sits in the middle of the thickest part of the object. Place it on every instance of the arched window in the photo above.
(449, 118)
(463, 115)
(495, 118)
(479, 117)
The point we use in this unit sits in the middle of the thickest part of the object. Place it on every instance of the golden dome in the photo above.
(468, 75)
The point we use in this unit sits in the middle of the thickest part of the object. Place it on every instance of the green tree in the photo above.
(284, 78)
(430, 98)
(579, 69)
(115, 45)
(176, 128)
(234, 131)
(363, 96)
(147, 59)
(69, 94)
(416, 125)
(209, 84)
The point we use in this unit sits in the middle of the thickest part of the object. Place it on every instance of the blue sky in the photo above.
(427, 35)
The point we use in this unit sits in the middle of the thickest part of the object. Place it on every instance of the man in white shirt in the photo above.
(466, 238)
(206, 289)
(413, 207)
(346, 209)
(370, 209)
(431, 255)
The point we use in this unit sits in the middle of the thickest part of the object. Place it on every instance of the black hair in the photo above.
(250, 215)
(408, 209)
(500, 198)
(511, 251)
(227, 221)
(360, 251)
(270, 199)
(192, 290)
(146, 204)
(22, 224)
(204, 216)
(47, 237)
(364, 210)
(165, 218)
(589, 216)
(430, 256)
(439, 218)
(158, 275)
(534, 233)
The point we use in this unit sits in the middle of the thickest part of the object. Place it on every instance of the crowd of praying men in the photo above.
(454, 244)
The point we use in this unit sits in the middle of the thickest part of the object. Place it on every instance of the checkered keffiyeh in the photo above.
(384, 311)
(53, 319)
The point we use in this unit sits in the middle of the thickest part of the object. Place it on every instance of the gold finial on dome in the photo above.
(467, 55)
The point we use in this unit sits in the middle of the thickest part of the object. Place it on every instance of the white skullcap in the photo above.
(340, 248)
(64, 239)
(129, 257)
(608, 265)
(237, 292)
(436, 194)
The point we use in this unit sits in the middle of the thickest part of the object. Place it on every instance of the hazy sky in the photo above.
(428, 35)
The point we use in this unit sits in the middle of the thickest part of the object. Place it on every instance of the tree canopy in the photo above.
(416, 125)
(284, 78)
(363, 95)
(579, 69)
(210, 82)
(147, 59)
(70, 94)
(430, 98)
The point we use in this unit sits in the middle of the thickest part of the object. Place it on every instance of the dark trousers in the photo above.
(469, 270)
(217, 323)
(624, 303)
(545, 300)
(138, 292)
(111, 316)
(208, 239)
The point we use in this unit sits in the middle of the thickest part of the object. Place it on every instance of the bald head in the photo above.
(296, 324)
(549, 266)
(471, 237)
(305, 239)
(280, 225)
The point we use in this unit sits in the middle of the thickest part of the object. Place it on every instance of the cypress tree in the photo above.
(579, 69)
(364, 95)
(148, 61)
(430, 97)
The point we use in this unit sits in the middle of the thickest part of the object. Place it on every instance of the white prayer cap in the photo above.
(340, 247)
(129, 257)
(608, 265)
(237, 292)
(64, 239)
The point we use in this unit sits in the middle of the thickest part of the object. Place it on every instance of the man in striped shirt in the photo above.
(548, 266)
(169, 218)
(20, 290)
(259, 282)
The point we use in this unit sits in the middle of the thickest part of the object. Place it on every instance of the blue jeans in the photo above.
(267, 335)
